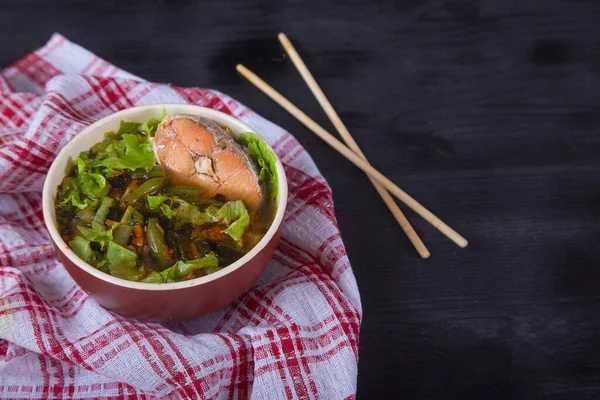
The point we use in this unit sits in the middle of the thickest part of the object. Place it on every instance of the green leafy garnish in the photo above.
(234, 213)
(97, 234)
(266, 160)
(159, 202)
(93, 186)
(122, 262)
(129, 153)
(186, 212)
(81, 247)
(182, 268)
(128, 127)
(104, 209)
(149, 127)
(69, 195)
(154, 202)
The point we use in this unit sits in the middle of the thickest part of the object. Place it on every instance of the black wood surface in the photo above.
(486, 111)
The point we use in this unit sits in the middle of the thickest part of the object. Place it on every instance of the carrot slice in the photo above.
(138, 230)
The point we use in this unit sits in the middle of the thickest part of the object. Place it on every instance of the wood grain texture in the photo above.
(487, 111)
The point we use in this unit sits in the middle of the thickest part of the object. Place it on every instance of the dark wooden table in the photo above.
(486, 111)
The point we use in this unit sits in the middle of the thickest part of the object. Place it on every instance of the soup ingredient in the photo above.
(155, 236)
(130, 152)
(196, 151)
(183, 268)
(264, 158)
(121, 213)
(122, 262)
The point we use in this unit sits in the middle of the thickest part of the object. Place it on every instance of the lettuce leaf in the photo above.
(128, 127)
(266, 160)
(122, 262)
(186, 212)
(94, 186)
(182, 268)
(80, 164)
(149, 127)
(97, 233)
(81, 247)
(104, 209)
(235, 215)
(69, 195)
(159, 202)
(154, 202)
(129, 153)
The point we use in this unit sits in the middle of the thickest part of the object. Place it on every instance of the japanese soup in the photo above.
(172, 199)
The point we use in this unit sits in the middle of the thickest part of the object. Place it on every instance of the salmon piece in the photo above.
(196, 151)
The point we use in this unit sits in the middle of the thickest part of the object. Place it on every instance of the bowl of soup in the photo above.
(165, 211)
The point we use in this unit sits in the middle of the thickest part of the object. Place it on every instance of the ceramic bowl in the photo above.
(180, 300)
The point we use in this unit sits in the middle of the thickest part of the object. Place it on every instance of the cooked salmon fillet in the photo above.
(196, 151)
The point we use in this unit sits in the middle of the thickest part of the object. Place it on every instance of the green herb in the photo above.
(122, 262)
(128, 127)
(130, 152)
(81, 247)
(265, 159)
(182, 268)
(149, 127)
(154, 202)
(97, 233)
(104, 209)
(234, 213)
(69, 195)
(159, 203)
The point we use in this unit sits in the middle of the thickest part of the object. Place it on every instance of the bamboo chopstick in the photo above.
(351, 156)
(350, 142)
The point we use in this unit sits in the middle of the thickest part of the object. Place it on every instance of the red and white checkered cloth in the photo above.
(293, 335)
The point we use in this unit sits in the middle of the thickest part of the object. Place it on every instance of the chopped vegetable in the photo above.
(129, 153)
(182, 268)
(183, 190)
(236, 216)
(122, 262)
(96, 234)
(149, 127)
(122, 234)
(155, 236)
(151, 186)
(104, 209)
(94, 186)
(119, 211)
(265, 159)
(81, 247)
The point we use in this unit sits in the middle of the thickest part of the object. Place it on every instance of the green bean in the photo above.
(179, 244)
(121, 234)
(183, 190)
(104, 209)
(151, 186)
(86, 215)
(138, 173)
(127, 215)
(199, 202)
(137, 218)
(155, 237)
(155, 172)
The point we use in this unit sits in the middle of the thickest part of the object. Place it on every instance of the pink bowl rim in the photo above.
(129, 114)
